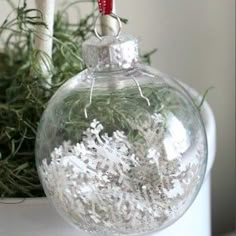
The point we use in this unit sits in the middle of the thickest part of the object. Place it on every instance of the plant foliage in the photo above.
(23, 95)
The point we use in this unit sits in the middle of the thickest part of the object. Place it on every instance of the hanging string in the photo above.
(105, 6)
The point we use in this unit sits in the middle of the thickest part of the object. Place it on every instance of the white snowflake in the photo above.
(106, 179)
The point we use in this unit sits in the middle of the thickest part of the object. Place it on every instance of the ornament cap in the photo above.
(110, 53)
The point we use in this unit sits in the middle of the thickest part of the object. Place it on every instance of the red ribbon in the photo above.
(105, 6)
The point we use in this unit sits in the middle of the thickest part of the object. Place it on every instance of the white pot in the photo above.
(36, 216)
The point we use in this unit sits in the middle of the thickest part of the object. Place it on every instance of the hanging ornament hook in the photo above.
(141, 92)
(113, 16)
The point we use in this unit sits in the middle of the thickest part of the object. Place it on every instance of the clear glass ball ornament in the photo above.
(121, 148)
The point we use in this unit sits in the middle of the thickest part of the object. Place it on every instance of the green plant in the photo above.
(23, 96)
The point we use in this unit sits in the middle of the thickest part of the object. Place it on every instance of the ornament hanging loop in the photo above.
(99, 36)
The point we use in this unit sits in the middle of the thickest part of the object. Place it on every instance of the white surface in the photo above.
(36, 217)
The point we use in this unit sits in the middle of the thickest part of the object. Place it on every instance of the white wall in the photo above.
(196, 42)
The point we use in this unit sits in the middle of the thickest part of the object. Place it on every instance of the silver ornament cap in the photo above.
(110, 53)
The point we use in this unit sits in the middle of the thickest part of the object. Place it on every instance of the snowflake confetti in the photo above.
(103, 184)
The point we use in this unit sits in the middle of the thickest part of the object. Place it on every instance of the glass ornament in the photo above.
(121, 148)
